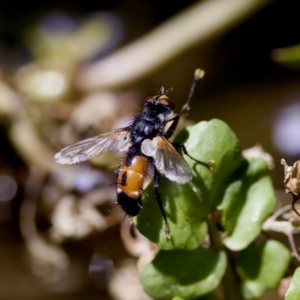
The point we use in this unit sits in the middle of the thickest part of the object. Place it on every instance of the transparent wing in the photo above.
(167, 160)
(118, 140)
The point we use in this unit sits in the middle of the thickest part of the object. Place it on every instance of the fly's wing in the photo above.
(87, 149)
(167, 160)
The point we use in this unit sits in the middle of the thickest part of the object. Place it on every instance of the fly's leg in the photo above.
(208, 164)
(173, 126)
(197, 75)
(159, 201)
(182, 146)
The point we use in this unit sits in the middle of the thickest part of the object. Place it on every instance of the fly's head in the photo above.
(160, 103)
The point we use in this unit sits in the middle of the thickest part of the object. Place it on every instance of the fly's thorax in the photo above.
(150, 123)
(156, 108)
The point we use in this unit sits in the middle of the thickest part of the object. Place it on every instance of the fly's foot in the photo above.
(209, 164)
(167, 231)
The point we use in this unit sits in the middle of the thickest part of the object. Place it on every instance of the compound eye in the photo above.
(166, 102)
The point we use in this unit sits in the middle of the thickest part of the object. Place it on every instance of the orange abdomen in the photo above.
(132, 176)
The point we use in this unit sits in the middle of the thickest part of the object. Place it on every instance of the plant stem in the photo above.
(230, 282)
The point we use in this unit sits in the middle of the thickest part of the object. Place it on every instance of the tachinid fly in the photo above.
(148, 153)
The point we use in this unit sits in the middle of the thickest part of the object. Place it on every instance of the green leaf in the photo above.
(188, 231)
(247, 202)
(187, 205)
(185, 274)
(262, 267)
(213, 140)
(294, 290)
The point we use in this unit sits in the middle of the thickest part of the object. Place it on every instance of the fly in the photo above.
(148, 153)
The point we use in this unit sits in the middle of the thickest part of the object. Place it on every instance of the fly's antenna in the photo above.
(162, 91)
(199, 73)
(169, 90)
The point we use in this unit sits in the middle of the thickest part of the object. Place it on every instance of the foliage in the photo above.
(185, 267)
(294, 290)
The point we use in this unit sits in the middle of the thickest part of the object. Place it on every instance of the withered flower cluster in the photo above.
(292, 181)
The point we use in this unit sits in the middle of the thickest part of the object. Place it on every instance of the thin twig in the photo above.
(229, 280)
(285, 227)
(293, 246)
(281, 211)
